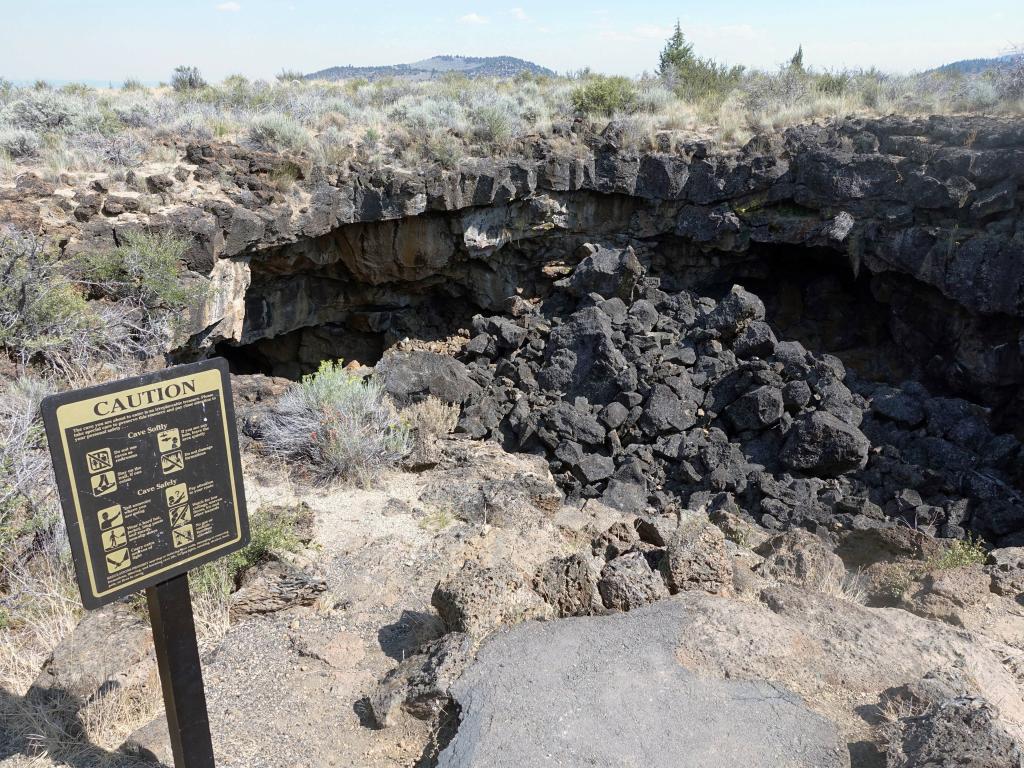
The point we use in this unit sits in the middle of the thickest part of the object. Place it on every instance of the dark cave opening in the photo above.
(885, 327)
(360, 335)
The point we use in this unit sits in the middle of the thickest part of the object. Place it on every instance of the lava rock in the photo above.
(628, 582)
(757, 409)
(738, 306)
(420, 684)
(409, 376)
(614, 415)
(796, 395)
(606, 272)
(574, 424)
(665, 411)
(959, 732)
(1006, 566)
(276, 585)
(627, 489)
(755, 340)
(897, 405)
(506, 333)
(569, 585)
(823, 445)
(801, 558)
(582, 359)
(696, 558)
(477, 600)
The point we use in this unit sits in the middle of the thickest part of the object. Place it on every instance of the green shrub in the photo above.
(43, 316)
(146, 269)
(493, 123)
(187, 79)
(765, 93)
(81, 90)
(275, 131)
(19, 143)
(832, 83)
(337, 426)
(704, 80)
(693, 78)
(445, 149)
(797, 62)
(135, 114)
(969, 551)
(133, 84)
(605, 96)
(271, 530)
(289, 75)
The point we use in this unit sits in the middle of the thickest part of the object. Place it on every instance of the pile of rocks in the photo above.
(642, 398)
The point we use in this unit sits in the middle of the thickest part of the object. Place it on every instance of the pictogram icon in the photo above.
(172, 462)
(118, 560)
(100, 460)
(182, 537)
(103, 483)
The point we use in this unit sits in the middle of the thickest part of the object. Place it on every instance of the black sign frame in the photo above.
(215, 374)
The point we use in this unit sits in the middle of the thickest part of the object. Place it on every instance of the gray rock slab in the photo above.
(608, 691)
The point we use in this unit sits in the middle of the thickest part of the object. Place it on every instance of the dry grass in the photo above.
(431, 417)
(402, 123)
(842, 584)
(48, 732)
(43, 608)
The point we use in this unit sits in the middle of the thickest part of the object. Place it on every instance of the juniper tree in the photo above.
(676, 55)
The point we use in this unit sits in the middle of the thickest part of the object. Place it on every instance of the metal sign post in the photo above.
(177, 655)
(149, 477)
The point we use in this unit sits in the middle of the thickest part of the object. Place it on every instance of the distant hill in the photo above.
(470, 66)
(973, 66)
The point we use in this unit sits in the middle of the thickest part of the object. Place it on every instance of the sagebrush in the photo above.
(141, 297)
(405, 123)
(336, 425)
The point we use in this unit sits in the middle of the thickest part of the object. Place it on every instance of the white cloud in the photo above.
(519, 14)
(229, 7)
(652, 32)
(472, 18)
(743, 32)
(636, 34)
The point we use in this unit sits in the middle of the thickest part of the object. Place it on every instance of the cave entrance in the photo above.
(363, 336)
(813, 296)
(298, 352)
(885, 327)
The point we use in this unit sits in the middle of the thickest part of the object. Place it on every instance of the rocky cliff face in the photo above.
(930, 208)
(896, 243)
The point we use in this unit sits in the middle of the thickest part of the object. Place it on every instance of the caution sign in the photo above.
(149, 477)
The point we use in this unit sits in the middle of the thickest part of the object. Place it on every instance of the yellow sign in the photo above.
(149, 477)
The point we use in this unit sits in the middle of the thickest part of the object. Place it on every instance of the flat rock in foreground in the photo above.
(610, 691)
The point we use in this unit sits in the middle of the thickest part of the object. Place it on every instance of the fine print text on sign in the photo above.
(149, 477)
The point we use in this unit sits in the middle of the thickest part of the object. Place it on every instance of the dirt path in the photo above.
(285, 689)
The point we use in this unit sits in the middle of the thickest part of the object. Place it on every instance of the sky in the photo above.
(109, 40)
